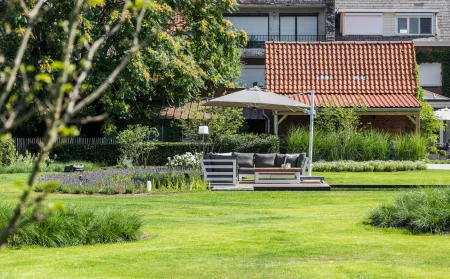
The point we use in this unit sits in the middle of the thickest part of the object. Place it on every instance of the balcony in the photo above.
(257, 41)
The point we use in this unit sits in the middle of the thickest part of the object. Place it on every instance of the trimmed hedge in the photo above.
(7, 151)
(248, 143)
(109, 154)
(100, 153)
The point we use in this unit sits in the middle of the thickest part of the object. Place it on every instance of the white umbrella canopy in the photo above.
(443, 114)
(256, 98)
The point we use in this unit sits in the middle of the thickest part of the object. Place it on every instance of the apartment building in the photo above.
(282, 20)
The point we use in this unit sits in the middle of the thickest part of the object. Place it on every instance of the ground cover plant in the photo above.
(75, 226)
(424, 211)
(369, 166)
(207, 234)
(123, 181)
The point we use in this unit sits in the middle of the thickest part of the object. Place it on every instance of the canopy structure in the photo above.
(263, 99)
(443, 115)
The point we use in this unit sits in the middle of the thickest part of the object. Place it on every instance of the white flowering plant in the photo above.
(186, 160)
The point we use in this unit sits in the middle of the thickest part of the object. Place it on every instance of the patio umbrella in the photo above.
(263, 99)
(443, 115)
(257, 98)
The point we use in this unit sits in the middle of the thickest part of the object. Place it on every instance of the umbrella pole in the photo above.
(311, 133)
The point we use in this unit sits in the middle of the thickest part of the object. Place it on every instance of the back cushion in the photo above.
(244, 160)
(287, 159)
(265, 160)
(301, 160)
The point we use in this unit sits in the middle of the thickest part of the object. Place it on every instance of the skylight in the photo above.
(325, 77)
(360, 77)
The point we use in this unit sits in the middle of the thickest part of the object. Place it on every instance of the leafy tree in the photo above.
(57, 58)
(189, 48)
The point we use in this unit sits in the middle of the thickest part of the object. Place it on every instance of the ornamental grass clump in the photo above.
(76, 226)
(369, 166)
(423, 211)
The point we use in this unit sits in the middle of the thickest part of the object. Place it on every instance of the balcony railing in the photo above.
(257, 41)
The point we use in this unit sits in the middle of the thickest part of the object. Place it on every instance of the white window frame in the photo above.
(418, 16)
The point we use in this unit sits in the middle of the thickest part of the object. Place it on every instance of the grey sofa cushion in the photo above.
(301, 160)
(244, 160)
(286, 159)
(265, 160)
(246, 171)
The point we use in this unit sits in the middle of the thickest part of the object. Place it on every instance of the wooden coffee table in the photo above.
(278, 172)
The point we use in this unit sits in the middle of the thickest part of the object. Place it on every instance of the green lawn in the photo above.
(425, 178)
(240, 235)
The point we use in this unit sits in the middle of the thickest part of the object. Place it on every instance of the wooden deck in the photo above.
(251, 186)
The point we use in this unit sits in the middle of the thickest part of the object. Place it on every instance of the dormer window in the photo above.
(325, 77)
(360, 77)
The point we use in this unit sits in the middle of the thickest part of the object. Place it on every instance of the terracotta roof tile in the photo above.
(388, 69)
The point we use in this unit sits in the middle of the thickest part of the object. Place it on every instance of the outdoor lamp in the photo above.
(203, 130)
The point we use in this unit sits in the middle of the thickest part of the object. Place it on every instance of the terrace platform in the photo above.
(251, 186)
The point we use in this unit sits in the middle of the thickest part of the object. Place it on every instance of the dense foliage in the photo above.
(189, 47)
(76, 226)
(248, 143)
(369, 166)
(220, 121)
(137, 143)
(363, 145)
(7, 151)
(441, 56)
(425, 211)
(109, 154)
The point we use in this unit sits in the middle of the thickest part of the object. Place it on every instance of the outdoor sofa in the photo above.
(224, 168)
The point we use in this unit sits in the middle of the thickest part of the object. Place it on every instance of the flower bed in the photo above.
(123, 181)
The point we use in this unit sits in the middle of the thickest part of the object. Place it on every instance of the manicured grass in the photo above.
(424, 178)
(240, 235)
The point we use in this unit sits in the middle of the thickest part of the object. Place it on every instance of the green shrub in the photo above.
(248, 143)
(432, 149)
(424, 211)
(442, 153)
(409, 147)
(78, 226)
(7, 150)
(107, 154)
(137, 143)
(368, 166)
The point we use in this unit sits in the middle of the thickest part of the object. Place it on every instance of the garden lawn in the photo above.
(239, 235)
(423, 178)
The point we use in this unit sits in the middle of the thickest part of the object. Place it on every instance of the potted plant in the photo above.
(442, 155)
(433, 153)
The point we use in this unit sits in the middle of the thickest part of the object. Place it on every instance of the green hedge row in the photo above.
(110, 153)
(248, 143)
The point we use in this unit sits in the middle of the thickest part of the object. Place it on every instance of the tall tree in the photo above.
(190, 48)
(59, 57)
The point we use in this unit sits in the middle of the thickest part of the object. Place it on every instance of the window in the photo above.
(414, 25)
(298, 28)
(430, 74)
(251, 75)
(363, 24)
(252, 25)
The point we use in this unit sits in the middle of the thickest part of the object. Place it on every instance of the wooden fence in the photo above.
(22, 143)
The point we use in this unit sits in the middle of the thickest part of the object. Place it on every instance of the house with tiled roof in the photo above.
(378, 77)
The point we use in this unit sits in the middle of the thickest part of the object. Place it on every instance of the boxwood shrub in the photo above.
(7, 151)
(110, 153)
